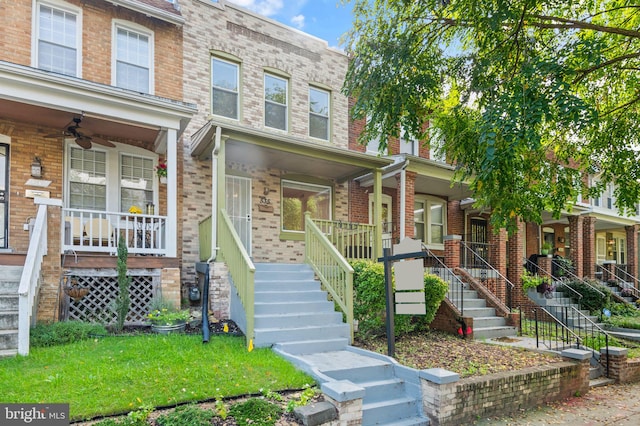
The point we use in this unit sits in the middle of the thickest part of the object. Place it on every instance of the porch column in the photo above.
(498, 259)
(172, 193)
(632, 249)
(589, 247)
(452, 251)
(407, 191)
(515, 259)
(576, 243)
(377, 211)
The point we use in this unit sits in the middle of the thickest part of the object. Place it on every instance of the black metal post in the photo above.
(388, 287)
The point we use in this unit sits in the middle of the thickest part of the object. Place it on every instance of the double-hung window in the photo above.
(136, 181)
(275, 102)
(58, 41)
(225, 78)
(300, 197)
(319, 110)
(133, 59)
(87, 179)
(429, 217)
(408, 144)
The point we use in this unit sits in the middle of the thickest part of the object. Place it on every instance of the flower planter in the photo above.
(171, 328)
(163, 180)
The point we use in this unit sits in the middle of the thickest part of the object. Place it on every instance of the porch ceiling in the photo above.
(51, 101)
(295, 155)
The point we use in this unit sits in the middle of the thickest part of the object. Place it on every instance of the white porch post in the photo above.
(172, 193)
(377, 211)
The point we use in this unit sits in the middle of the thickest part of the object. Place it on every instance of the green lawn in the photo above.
(110, 375)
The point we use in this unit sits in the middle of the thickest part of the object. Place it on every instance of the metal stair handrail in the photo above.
(548, 331)
(574, 277)
(450, 277)
(576, 294)
(634, 280)
(483, 261)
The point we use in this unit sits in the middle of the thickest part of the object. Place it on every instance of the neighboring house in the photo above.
(91, 101)
(270, 140)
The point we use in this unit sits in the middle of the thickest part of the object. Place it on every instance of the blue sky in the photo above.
(326, 19)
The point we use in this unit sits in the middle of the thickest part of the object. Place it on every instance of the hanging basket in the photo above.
(75, 292)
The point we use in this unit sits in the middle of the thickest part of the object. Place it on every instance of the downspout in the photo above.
(403, 200)
(214, 235)
(214, 195)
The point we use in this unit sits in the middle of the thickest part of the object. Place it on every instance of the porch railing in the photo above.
(434, 265)
(241, 269)
(204, 231)
(99, 231)
(352, 240)
(628, 283)
(30, 279)
(335, 274)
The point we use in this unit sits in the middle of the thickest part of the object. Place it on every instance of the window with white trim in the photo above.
(58, 41)
(87, 179)
(300, 197)
(429, 217)
(275, 101)
(133, 58)
(408, 144)
(136, 181)
(225, 77)
(319, 110)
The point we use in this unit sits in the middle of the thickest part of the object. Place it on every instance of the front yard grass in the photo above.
(110, 375)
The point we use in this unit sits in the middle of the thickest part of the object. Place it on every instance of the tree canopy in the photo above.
(529, 96)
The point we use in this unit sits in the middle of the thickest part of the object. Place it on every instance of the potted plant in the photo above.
(545, 249)
(541, 284)
(161, 171)
(164, 319)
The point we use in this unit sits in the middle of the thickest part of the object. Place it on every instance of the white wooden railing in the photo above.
(99, 231)
(30, 279)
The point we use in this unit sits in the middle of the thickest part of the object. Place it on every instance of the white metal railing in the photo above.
(30, 279)
(99, 231)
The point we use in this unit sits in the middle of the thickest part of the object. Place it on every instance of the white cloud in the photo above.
(298, 21)
(263, 7)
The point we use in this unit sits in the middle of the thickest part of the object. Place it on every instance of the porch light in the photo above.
(36, 168)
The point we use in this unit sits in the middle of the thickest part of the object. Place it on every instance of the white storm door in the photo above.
(386, 220)
(238, 205)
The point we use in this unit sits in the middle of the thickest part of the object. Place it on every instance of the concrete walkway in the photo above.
(608, 405)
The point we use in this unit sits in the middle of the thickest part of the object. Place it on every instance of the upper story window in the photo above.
(225, 88)
(275, 102)
(58, 41)
(408, 144)
(373, 147)
(133, 59)
(436, 146)
(319, 110)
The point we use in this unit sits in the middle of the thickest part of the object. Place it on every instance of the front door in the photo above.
(4, 191)
(386, 220)
(478, 237)
(238, 205)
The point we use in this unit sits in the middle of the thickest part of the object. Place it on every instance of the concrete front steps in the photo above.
(9, 283)
(558, 303)
(486, 324)
(292, 311)
(295, 317)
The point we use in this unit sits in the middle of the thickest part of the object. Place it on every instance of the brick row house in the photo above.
(248, 116)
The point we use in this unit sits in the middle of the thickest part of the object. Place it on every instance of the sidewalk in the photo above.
(608, 405)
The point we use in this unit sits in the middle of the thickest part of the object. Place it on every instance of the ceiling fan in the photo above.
(83, 137)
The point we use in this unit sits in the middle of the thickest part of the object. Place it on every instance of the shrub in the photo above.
(63, 332)
(256, 411)
(591, 299)
(370, 302)
(186, 415)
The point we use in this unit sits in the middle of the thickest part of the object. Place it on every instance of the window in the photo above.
(136, 181)
(373, 145)
(436, 147)
(275, 102)
(224, 88)
(57, 40)
(87, 179)
(408, 144)
(318, 113)
(133, 59)
(429, 221)
(298, 198)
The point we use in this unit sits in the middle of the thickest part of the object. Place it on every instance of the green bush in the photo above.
(256, 411)
(186, 415)
(591, 299)
(623, 321)
(370, 303)
(63, 332)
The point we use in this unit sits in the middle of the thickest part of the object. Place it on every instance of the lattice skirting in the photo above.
(99, 304)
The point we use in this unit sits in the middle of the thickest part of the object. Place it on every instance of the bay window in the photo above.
(430, 220)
